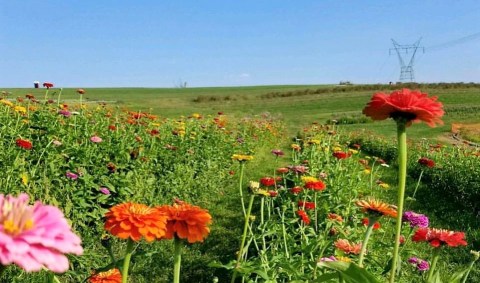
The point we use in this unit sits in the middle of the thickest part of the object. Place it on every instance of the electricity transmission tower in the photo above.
(404, 52)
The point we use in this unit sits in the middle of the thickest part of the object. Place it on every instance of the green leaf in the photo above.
(457, 276)
(350, 272)
(326, 277)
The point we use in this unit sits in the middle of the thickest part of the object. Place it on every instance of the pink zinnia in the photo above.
(35, 236)
(96, 139)
(71, 175)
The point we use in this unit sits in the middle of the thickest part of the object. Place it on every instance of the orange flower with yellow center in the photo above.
(110, 276)
(377, 208)
(187, 221)
(134, 221)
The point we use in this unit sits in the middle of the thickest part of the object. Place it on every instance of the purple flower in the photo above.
(96, 139)
(423, 265)
(415, 219)
(65, 113)
(104, 191)
(71, 175)
(278, 152)
(420, 264)
(413, 260)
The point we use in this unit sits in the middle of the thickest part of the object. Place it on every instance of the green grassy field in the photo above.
(461, 103)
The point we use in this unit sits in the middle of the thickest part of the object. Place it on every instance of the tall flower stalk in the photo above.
(402, 177)
(404, 107)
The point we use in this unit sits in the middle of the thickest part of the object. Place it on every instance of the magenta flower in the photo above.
(420, 264)
(96, 139)
(71, 175)
(35, 236)
(415, 219)
(104, 191)
(65, 113)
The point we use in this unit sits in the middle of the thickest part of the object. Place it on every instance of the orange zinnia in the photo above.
(377, 208)
(110, 276)
(187, 221)
(348, 247)
(134, 221)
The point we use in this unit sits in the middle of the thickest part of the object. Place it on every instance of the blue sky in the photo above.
(144, 43)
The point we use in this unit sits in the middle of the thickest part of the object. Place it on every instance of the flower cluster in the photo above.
(136, 221)
(347, 247)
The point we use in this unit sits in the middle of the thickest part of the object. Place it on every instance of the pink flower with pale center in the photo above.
(36, 236)
(96, 139)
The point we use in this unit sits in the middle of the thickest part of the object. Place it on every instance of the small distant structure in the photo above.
(345, 83)
(36, 84)
(181, 84)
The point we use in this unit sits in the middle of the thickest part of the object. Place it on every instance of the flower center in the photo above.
(16, 217)
(408, 116)
(140, 209)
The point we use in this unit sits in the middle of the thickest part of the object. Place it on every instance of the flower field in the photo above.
(98, 193)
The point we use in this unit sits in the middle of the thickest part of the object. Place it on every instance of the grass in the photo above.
(461, 103)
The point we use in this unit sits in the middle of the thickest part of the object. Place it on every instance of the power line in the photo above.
(454, 42)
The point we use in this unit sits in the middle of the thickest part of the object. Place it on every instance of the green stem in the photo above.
(177, 260)
(244, 236)
(126, 260)
(418, 184)
(402, 176)
(316, 211)
(470, 267)
(436, 255)
(371, 222)
(284, 232)
(240, 186)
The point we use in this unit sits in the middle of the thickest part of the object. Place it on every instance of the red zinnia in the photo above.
(25, 144)
(303, 215)
(413, 106)
(267, 181)
(341, 155)
(273, 193)
(315, 185)
(296, 190)
(439, 237)
(426, 162)
(306, 204)
(47, 85)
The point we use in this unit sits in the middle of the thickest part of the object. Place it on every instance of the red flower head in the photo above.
(315, 185)
(439, 237)
(25, 144)
(80, 91)
(273, 193)
(267, 181)
(296, 190)
(47, 85)
(426, 162)
(307, 205)
(303, 215)
(341, 155)
(282, 170)
(412, 106)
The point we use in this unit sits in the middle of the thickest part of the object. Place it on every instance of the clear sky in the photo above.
(154, 43)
